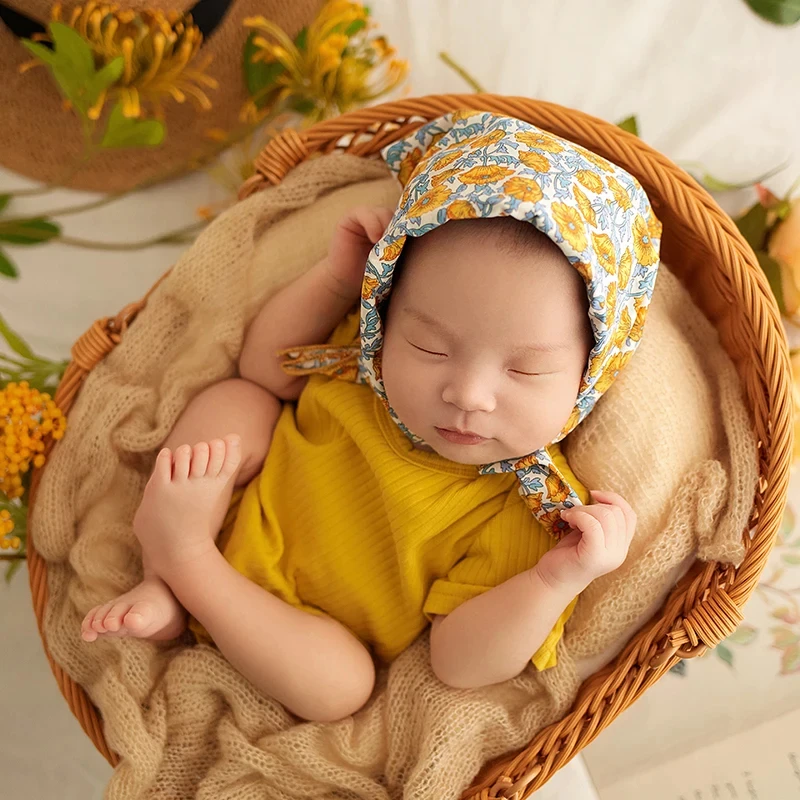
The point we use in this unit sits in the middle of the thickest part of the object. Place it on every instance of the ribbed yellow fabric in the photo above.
(348, 519)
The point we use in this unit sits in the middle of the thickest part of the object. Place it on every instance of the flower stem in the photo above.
(474, 85)
(176, 236)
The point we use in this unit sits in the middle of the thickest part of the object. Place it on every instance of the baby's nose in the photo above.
(469, 392)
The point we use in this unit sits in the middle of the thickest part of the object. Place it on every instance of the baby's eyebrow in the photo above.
(538, 347)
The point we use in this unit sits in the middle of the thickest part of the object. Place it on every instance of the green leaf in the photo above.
(787, 523)
(790, 663)
(792, 559)
(300, 39)
(784, 637)
(71, 63)
(303, 105)
(28, 231)
(781, 12)
(12, 569)
(725, 654)
(753, 225)
(14, 341)
(679, 669)
(4, 198)
(772, 270)
(630, 124)
(124, 132)
(44, 54)
(72, 48)
(258, 76)
(743, 635)
(103, 78)
(7, 266)
(355, 26)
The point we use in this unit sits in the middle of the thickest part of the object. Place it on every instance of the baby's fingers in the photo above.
(375, 221)
(591, 528)
(622, 504)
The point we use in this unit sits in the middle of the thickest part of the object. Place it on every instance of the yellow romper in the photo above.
(348, 519)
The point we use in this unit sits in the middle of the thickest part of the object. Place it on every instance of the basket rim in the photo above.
(719, 589)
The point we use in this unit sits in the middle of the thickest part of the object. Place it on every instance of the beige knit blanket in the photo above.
(672, 436)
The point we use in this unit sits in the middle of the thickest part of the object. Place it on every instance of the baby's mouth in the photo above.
(460, 437)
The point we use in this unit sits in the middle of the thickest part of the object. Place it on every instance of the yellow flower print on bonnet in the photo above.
(475, 164)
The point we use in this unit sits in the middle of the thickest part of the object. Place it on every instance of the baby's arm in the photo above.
(307, 310)
(492, 637)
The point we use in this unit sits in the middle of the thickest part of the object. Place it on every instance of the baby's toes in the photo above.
(87, 632)
(113, 621)
(162, 471)
(216, 457)
(200, 456)
(183, 457)
(233, 456)
(99, 621)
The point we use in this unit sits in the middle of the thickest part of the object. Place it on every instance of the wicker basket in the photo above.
(703, 247)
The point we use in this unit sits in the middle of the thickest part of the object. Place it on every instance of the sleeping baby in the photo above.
(408, 474)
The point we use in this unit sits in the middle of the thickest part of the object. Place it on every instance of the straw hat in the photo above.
(39, 139)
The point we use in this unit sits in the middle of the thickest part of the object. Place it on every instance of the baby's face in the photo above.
(485, 341)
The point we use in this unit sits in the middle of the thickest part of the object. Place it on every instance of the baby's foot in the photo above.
(148, 611)
(185, 502)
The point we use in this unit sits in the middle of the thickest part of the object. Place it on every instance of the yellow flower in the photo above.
(461, 209)
(609, 373)
(27, 418)
(440, 177)
(638, 324)
(408, 165)
(485, 140)
(584, 270)
(555, 486)
(642, 245)
(489, 173)
(571, 226)
(393, 250)
(604, 250)
(159, 51)
(591, 180)
(524, 189)
(336, 70)
(623, 328)
(654, 226)
(535, 161)
(784, 247)
(433, 198)
(593, 158)
(624, 269)
(464, 113)
(539, 141)
(585, 206)
(620, 194)
(368, 286)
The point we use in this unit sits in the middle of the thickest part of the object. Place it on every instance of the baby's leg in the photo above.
(150, 610)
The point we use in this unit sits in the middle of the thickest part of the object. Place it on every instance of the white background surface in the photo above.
(708, 81)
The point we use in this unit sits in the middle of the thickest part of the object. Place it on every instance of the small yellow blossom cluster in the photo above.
(340, 66)
(6, 526)
(27, 417)
(160, 52)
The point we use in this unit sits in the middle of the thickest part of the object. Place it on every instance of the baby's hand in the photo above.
(355, 235)
(598, 544)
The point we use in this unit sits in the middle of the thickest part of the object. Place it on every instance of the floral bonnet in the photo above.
(476, 164)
